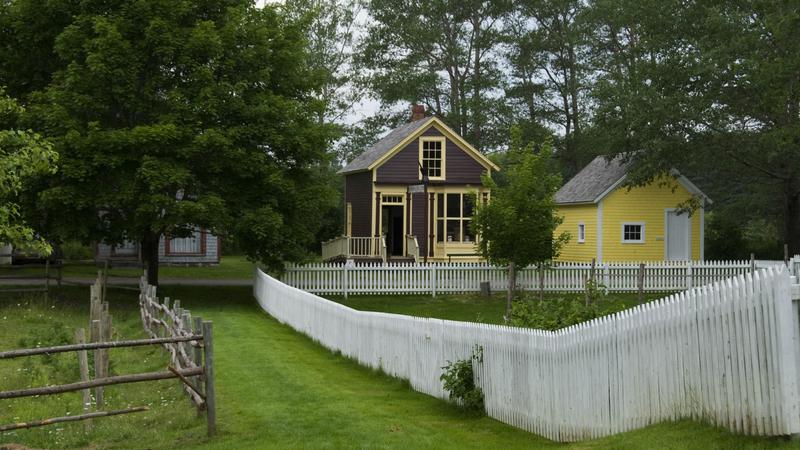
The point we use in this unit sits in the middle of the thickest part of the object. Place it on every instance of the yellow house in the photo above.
(611, 222)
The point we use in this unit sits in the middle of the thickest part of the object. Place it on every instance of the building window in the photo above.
(432, 157)
(581, 233)
(392, 200)
(633, 233)
(193, 244)
(454, 218)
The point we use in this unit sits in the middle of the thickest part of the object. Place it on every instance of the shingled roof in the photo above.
(595, 179)
(383, 146)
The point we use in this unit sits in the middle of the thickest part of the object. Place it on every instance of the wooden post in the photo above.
(344, 278)
(786, 255)
(105, 279)
(197, 353)
(541, 282)
(590, 281)
(97, 332)
(689, 276)
(106, 338)
(752, 262)
(641, 283)
(433, 279)
(208, 372)
(83, 365)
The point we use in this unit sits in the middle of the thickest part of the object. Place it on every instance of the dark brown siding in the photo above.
(403, 168)
(358, 192)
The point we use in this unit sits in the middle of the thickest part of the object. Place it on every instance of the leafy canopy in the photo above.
(518, 224)
(23, 155)
(173, 114)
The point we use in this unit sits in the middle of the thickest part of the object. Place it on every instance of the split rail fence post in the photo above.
(97, 332)
(208, 373)
(83, 365)
(197, 352)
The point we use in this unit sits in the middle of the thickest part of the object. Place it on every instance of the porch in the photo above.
(371, 248)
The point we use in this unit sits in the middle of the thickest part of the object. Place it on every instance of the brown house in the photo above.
(409, 195)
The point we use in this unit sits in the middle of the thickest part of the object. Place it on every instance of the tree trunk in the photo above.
(791, 218)
(150, 257)
(512, 285)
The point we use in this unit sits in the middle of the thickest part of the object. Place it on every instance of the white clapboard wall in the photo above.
(443, 278)
(726, 353)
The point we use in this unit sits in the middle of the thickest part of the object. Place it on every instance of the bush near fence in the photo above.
(441, 278)
(725, 352)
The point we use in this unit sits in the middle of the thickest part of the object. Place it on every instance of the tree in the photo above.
(23, 155)
(517, 227)
(550, 76)
(171, 115)
(710, 88)
(443, 54)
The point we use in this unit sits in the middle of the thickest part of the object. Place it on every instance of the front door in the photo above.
(678, 236)
(392, 220)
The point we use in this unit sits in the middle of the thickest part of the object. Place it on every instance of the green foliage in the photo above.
(167, 116)
(553, 314)
(73, 250)
(521, 211)
(23, 156)
(459, 381)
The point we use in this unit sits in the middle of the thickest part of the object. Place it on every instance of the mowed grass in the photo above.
(275, 389)
(463, 307)
(230, 267)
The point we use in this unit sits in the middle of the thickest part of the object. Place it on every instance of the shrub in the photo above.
(459, 382)
(75, 251)
(560, 313)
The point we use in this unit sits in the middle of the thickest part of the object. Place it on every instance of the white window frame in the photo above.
(632, 241)
(581, 232)
(443, 141)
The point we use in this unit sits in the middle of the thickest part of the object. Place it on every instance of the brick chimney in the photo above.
(417, 112)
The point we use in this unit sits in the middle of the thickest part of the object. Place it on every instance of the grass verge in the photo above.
(276, 389)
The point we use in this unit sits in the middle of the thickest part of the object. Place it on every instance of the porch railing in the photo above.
(351, 246)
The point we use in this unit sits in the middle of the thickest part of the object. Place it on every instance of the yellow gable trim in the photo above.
(448, 133)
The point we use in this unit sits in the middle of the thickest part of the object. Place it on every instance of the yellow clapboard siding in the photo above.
(645, 204)
(573, 215)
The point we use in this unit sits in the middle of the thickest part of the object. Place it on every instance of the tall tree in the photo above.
(169, 115)
(522, 211)
(709, 87)
(23, 155)
(443, 54)
(550, 76)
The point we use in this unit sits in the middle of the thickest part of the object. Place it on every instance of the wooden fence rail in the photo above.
(176, 329)
(725, 352)
(449, 278)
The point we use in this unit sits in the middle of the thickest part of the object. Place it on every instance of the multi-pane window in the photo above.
(392, 199)
(581, 232)
(432, 157)
(633, 232)
(192, 244)
(454, 218)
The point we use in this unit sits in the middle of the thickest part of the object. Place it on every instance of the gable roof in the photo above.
(595, 179)
(384, 146)
(601, 176)
(398, 137)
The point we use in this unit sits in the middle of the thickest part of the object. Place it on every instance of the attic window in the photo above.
(431, 155)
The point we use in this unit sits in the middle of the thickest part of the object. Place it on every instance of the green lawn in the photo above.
(230, 267)
(276, 389)
(464, 307)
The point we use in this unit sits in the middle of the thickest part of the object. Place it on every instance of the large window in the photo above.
(454, 218)
(432, 156)
(193, 244)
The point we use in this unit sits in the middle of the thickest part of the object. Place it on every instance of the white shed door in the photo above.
(678, 236)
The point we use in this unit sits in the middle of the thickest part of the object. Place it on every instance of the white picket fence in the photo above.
(726, 352)
(438, 278)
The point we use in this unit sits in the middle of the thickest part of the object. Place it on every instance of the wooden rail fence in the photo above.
(191, 354)
(726, 352)
(176, 329)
